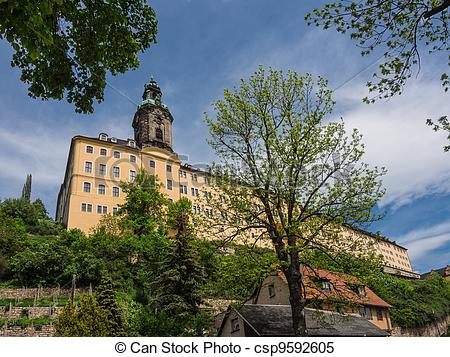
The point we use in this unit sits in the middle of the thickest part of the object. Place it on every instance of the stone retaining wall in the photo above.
(30, 312)
(6, 293)
(29, 331)
(434, 329)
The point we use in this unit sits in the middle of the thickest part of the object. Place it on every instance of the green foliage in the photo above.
(88, 319)
(26, 191)
(399, 28)
(143, 210)
(66, 48)
(443, 124)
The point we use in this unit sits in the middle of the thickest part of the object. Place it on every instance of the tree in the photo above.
(398, 27)
(442, 124)
(66, 48)
(86, 320)
(143, 210)
(107, 301)
(26, 190)
(287, 175)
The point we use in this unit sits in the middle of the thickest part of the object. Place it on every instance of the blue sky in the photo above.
(205, 46)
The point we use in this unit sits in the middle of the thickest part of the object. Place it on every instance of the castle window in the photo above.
(116, 172)
(102, 169)
(102, 209)
(86, 207)
(89, 149)
(152, 164)
(103, 137)
(116, 154)
(169, 184)
(115, 191)
(271, 289)
(169, 168)
(235, 325)
(103, 152)
(101, 189)
(132, 158)
(132, 175)
(87, 187)
(159, 134)
(88, 167)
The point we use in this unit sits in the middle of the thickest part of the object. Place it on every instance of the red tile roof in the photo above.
(340, 285)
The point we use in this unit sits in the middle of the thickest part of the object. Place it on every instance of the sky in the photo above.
(206, 46)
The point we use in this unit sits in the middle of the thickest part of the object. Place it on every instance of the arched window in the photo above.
(159, 134)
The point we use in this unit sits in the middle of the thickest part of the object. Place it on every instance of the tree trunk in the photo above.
(294, 279)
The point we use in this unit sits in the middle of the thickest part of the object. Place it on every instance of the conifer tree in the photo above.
(26, 190)
(107, 301)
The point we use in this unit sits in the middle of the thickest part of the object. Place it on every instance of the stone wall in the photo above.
(435, 329)
(29, 331)
(6, 293)
(30, 312)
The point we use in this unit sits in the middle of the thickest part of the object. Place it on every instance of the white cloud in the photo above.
(422, 242)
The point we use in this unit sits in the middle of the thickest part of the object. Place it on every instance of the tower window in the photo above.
(89, 149)
(87, 187)
(159, 134)
(103, 152)
(101, 189)
(152, 164)
(169, 184)
(169, 168)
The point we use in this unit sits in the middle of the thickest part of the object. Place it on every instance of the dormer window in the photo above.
(131, 143)
(271, 288)
(114, 140)
(325, 285)
(361, 291)
(103, 137)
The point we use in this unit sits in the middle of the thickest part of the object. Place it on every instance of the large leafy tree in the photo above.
(67, 47)
(402, 29)
(287, 175)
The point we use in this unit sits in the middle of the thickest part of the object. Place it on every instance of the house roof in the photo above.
(445, 271)
(340, 285)
(276, 320)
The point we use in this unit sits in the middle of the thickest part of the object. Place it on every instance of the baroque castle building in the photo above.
(96, 166)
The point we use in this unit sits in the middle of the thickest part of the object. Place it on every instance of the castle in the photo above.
(96, 166)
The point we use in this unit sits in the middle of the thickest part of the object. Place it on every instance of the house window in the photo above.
(196, 209)
(207, 180)
(116, 154)
(87, 187)
(114, 211)
(102, 169)
(325, 285)
(379, 314)
(159, 134)
(235, 325)
(169, 168)
(209, 212)
(86, 207)
(132, 158)
(224, 215)
(132, 175)
(365, 312)
(222, 199)
(88, 167)
(89, 149)
(182, 173)
(183, 189)
(169, 184)
(194, 177)
(208, 195)
(101, 189)
(152, 164)
(271, 288)
(115, 191)
(102, 209)
(116, 172)
(194, 191)
(103, 152)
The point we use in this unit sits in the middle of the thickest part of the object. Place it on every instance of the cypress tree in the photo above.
(107, 301)
(26, 190)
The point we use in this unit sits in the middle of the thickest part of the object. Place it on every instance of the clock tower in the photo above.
(152, 122)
